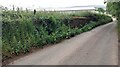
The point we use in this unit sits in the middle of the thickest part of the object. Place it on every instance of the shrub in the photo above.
(24, 30)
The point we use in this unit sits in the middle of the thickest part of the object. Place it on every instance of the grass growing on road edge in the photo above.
(118, 30)
(24, 30)
(118, 27)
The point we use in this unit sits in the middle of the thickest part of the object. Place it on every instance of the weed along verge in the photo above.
(25, 30)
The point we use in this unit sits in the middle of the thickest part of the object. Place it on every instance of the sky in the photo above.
(49, 3)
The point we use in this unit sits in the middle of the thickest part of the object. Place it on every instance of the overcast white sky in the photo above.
(50, 3)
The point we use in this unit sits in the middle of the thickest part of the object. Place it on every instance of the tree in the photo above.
(114, 8)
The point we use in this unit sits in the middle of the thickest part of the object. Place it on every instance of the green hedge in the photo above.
(118, 26)
(22, 31)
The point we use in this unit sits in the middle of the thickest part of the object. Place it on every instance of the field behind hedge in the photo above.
(23, 30)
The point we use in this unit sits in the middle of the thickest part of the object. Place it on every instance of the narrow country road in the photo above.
(96, 47)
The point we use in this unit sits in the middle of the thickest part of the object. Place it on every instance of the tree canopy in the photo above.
(114, 8)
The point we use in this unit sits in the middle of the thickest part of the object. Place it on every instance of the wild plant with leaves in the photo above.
(23, 30)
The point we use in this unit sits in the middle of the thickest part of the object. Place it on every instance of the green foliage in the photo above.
(100, 10)
(23, 30)
(119, 28)
(113, 8)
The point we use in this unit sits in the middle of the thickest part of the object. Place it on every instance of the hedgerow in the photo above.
(22, 30)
